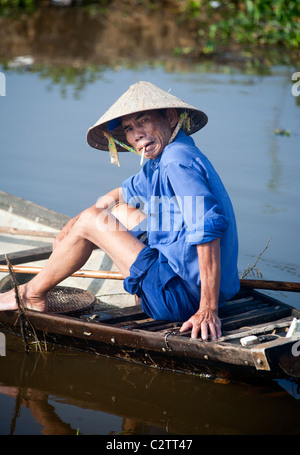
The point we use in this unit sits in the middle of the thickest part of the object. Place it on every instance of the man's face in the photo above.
(149, 129)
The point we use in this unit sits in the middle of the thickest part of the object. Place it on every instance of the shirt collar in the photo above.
(155, 163)
(181, 136)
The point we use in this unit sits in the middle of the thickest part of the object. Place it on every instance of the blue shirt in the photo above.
(186, 204)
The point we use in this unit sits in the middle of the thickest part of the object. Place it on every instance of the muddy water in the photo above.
(63, 392)
(44, 158)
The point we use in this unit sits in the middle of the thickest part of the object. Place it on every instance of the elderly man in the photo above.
(187, 267)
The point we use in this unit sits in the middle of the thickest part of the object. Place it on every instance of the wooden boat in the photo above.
(111, 325)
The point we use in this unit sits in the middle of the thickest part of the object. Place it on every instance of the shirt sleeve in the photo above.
(202, 211)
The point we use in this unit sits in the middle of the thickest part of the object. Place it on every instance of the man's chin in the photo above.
(152, 154)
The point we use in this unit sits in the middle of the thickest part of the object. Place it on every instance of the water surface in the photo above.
(65, 392)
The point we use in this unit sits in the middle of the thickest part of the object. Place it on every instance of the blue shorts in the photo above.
(163, 293)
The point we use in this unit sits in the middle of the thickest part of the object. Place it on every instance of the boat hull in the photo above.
(130, 335)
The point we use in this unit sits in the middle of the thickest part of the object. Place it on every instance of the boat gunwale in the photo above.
(34, 212)
(135, 338)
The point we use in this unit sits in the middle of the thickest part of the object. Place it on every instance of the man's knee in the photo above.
(99, 219)
(87, 220)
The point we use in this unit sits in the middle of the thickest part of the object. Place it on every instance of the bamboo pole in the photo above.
(19, 302)
(271, 285)
(80, 273)
(111, 275)
(33, 233)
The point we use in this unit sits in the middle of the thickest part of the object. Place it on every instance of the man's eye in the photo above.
(143, 120)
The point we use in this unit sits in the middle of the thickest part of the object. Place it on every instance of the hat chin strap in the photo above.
(183, 122)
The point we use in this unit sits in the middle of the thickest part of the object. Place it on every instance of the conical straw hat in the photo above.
(142, 96)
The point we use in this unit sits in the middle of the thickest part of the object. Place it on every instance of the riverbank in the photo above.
(132, 31)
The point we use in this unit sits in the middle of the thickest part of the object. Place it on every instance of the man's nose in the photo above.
(139, 133)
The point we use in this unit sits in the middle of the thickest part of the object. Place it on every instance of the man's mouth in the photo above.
(146, 146)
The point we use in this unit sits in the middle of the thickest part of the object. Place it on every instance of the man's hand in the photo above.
(205, 322)
(65, 231)
(108, 201)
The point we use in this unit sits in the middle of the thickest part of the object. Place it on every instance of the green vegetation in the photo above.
(70, 80)
(247, 23)
(219, 23)
(66, 77)
(8, 6)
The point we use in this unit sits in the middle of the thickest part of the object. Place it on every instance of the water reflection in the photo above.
(76, 36)
(70, 392)
(71, 46)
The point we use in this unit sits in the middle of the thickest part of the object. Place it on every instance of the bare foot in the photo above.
(29, 299)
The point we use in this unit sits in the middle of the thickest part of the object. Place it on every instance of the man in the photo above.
(188, 265)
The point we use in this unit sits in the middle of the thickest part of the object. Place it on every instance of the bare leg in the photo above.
(94, 227)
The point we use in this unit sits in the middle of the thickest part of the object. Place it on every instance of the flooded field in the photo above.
(252, 138)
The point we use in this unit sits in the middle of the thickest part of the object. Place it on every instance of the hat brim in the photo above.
(96, 138)
(140, 97)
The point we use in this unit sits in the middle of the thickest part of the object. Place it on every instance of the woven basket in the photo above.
(67, 300)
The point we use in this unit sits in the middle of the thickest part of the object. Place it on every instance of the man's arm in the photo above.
(206, 319)
(108, 201)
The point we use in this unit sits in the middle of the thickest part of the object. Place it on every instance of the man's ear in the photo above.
(172, 117)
